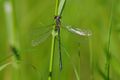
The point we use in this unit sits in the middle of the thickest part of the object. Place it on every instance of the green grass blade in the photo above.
(102, 74)
(4, 66)
(76, 73)
(74, 68)
(56, 7)
(52, 54)
(61, 6)
(108, 56)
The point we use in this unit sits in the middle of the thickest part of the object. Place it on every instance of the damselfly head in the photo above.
(57, 17)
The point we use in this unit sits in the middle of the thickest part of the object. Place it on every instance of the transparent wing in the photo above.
(40, 29)
(40, 34)
(40, 39)
(78, 31)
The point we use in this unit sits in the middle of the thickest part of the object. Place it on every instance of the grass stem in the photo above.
(108, 56)
(52, 54)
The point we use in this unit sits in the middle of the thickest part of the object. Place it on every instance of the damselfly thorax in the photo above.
(57, 22)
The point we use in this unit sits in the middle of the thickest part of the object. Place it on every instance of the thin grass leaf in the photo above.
(108, 57)
(115, 64)
(52, 54)
(101, 72)
(74, 68)
(4, 66)
(61, 6)
(76, 73)
(6, 58)
(53, 43)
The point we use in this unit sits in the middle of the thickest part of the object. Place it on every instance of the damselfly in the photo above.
(44, 32)
(56, 31)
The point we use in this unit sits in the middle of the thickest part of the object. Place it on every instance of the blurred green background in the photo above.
(87, 54)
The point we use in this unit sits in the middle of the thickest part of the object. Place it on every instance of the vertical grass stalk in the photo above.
(91, 59)
(108, 56)
(56, 7)
(53, 44)
(12, 35)
(72, 63)
(58, 10)
(52, 54)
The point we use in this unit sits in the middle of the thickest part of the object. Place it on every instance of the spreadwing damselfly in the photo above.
(44, 32)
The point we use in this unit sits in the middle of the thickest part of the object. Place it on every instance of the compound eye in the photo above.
(55, 17)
